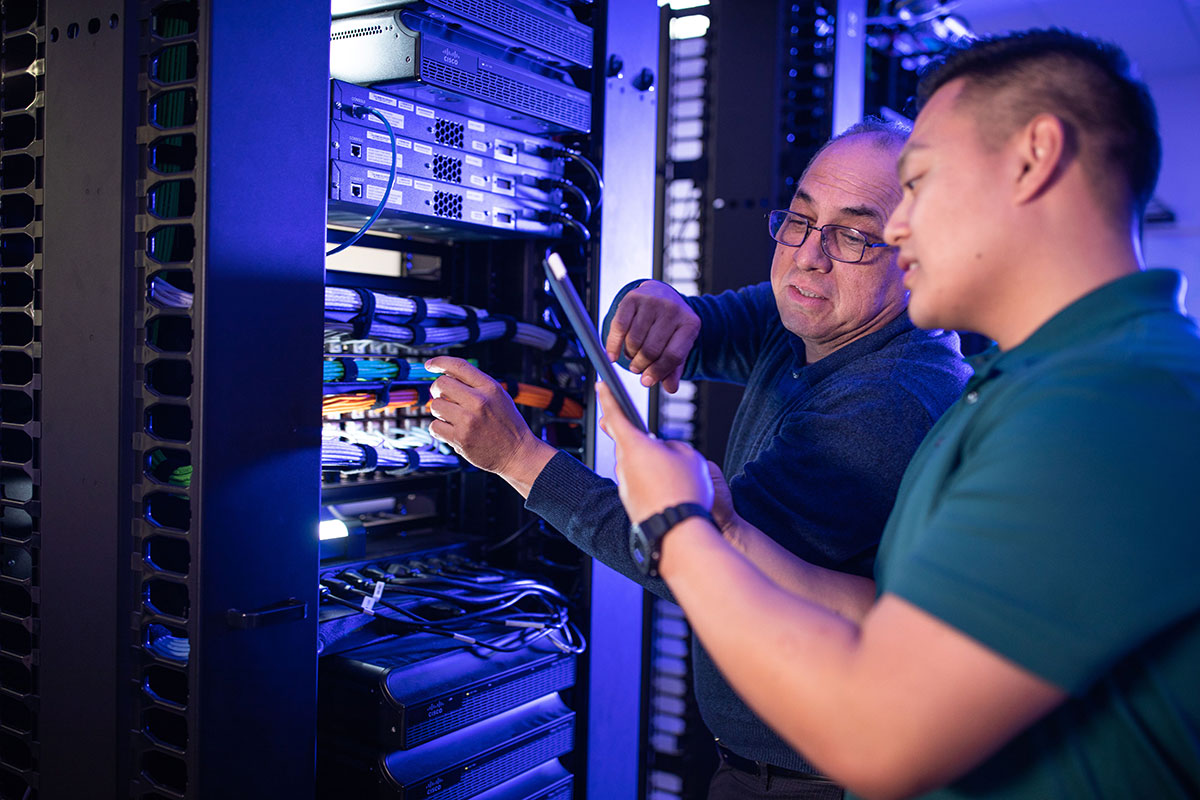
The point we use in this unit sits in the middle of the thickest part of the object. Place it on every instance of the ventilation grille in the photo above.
(22, 137)
(447, 169)
(357, 33)
(447, 204)
(557, 38)
(507, 92)
(170, 186)
(448, 133)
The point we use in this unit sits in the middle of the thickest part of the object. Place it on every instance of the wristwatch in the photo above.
(645, 537)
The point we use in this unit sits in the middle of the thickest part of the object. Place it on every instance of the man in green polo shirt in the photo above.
(1033, 630)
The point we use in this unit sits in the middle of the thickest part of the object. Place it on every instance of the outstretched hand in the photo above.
(656, 328)
(652, 474)
(475, 415)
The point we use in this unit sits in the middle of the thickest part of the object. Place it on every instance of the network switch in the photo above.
(445, 128)
(430, 208)
(546, 25)
(427, 60)
(415, 688)
(547, 782)
(357, 144)
(454, 767)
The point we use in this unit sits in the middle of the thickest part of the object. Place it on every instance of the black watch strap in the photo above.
(645, 538)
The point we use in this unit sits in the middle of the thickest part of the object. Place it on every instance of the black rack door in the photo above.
(185, 142)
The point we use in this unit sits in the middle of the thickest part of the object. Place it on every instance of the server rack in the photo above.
(158, 634)
(749, 103)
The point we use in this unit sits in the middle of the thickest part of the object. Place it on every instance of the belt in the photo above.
(763, 769)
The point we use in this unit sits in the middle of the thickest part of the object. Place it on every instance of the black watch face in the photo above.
(639, 549)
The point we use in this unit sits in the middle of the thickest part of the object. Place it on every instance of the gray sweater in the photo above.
(814, 460)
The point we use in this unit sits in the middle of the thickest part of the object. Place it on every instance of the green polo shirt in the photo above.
(1053, 515)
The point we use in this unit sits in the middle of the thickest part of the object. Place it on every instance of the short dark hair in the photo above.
(1084, 82)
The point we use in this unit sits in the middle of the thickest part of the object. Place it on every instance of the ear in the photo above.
(1041, 150)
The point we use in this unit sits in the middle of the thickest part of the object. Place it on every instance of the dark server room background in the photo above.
(235, 563)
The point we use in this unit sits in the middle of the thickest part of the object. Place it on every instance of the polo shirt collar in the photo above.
(1099, 310)
(815, 372)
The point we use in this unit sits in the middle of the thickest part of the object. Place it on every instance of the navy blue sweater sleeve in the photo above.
(733, 328)
(586, 509)
(825, 483)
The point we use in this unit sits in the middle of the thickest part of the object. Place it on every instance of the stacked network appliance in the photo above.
(445, 122)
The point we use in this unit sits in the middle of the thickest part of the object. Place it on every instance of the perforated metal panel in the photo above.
(561, 39)
(164, 550)
(507, 92)
(21, 99)
(446, 168)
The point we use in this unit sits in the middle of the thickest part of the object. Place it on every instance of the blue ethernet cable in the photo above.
(360, 111)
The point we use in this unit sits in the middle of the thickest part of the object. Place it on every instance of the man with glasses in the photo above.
(839, 390)
(1033, 629)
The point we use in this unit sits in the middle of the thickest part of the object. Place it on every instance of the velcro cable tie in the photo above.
(349, 369)
(510, 326)
(383, 396)
(472, 324)
(403, 370)
(556, 403)
(560, 345)
(418, 335)
(361, 322)
(412, 462)
(370, 459)
(422, 310)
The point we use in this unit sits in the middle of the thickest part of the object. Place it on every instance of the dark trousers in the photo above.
(729, 783)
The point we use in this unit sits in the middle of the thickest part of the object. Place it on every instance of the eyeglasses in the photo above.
(837, 241)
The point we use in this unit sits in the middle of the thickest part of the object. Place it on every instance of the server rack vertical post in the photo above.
(630, 117)
(85, 405)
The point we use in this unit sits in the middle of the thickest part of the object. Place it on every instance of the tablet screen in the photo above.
(589, 337)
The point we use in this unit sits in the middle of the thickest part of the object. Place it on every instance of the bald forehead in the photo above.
(853, 178)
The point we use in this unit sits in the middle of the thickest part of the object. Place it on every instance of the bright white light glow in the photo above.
(677, 5)
(691, 27)
(332, 529)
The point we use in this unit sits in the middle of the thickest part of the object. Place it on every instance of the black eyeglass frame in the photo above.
(809, 228)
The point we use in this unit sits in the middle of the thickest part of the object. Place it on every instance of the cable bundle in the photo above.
(522, 393)
(368, 401)
(397, 319)
(356, 314)
(377, 368)
(470, 593)
(540, 397)
(165, 294)
(169, 469)
(387, 456)
(161, 642)
(386, 305)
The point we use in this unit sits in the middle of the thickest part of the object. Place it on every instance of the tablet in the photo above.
(577, 315)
